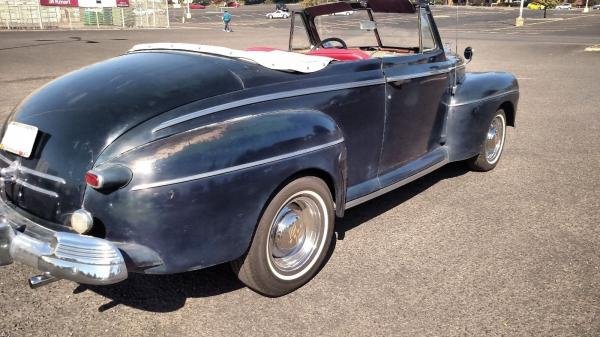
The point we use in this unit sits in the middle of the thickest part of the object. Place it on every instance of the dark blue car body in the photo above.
(210, 139)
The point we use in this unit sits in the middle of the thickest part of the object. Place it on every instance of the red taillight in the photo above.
(93, 179)
(108, 178)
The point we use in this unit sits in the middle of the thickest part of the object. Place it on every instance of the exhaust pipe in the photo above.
(41, 280)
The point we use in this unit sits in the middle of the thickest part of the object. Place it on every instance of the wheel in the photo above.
(492, 146)
(291, 240)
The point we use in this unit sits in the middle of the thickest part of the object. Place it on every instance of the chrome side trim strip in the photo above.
(482, 99)
(6, 160)
(237, 167)
(417, 75)
(35, 188)
(20, 168)
(265, 98)
(42, 175)
(394, 186)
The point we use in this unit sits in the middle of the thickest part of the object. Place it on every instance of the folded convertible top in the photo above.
(273, 59)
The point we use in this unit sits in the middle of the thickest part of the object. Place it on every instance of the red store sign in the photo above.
(64, 3)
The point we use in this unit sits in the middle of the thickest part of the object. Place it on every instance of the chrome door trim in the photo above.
(494, 96)
(417, 75)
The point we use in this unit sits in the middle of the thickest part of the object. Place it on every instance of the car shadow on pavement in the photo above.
(373, 208)
(166, 293)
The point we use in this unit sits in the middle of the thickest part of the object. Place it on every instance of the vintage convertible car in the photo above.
(175, 157)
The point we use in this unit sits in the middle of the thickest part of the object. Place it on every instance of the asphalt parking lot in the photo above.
(511, 252)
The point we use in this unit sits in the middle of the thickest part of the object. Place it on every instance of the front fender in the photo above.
(196, 196)
(471, 109)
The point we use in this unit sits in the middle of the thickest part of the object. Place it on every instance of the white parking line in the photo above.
(593, 48)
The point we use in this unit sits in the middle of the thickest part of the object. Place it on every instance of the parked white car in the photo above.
(564, 6)
(344, 13)
(278, 14)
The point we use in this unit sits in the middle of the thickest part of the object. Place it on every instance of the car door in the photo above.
(358, 107)
(416, 86)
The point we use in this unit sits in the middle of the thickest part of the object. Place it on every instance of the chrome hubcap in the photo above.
(296, 233)
(494, 139)
(289, 234)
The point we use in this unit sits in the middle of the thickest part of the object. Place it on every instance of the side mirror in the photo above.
(468, 53)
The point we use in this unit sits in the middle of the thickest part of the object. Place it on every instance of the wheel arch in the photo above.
(335, 181)
(252, 265)
(311, 172)
(509, 110)
(327, 177)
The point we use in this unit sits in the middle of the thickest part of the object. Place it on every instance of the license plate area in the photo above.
(19, 139)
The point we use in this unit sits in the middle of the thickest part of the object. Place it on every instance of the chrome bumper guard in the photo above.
(79, 258)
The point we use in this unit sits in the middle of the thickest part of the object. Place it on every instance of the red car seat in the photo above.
(334, 53)
(341, 54)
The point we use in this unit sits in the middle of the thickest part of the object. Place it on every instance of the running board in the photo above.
(395, 185)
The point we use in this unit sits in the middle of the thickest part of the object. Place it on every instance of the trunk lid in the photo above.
(80, 114)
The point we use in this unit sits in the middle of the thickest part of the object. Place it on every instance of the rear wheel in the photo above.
(492, 146)
(291, 240)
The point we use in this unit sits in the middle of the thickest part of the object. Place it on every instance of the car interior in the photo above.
(319, 31)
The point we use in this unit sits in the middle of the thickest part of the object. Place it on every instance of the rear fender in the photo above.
(196, 197)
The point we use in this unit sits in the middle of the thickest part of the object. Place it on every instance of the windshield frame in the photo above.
(314, 38)
(312, 31)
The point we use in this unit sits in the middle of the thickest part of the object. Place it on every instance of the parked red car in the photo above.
(233, 4)
(197, 6)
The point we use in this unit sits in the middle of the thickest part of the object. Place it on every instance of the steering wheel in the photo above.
(332, 39)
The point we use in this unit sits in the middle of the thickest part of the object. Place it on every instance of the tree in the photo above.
(310, 3)
(547, 3)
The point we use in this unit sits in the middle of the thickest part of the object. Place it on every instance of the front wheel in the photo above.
(492, 146)
(291, 240)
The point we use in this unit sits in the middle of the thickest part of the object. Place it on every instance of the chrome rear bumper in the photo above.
(74, 257)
